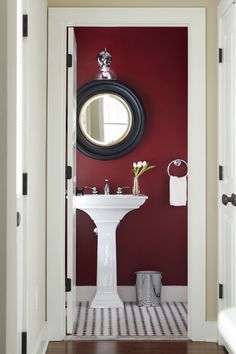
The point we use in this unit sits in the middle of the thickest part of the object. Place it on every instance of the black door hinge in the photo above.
(220, 55)
(68, 172)
(221, 291)
(18, 218)
(69, 60)
(25, 183)
(25, 26)
(68, 285)
(221, 173)
(24, 343)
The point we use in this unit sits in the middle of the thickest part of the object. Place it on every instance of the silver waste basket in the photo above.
(148, 288)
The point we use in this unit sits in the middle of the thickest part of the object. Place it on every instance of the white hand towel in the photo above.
(178, 190)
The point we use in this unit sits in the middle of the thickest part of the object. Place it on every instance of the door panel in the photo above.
(227, 149)
(228, 236)
(20, 200)
(71, 183)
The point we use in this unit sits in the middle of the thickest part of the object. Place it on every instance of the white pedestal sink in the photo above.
(107, 211)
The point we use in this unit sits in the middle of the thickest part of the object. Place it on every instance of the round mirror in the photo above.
(110, 119)
(105, 119)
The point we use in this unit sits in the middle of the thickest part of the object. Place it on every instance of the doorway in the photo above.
(194, 19)
(153, 237)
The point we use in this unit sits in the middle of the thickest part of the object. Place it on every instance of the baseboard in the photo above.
(127, 293)
(229, 351)
(41, 343)
(211, 331)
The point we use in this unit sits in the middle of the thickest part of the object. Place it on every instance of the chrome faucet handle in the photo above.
(93, 189)
(120, 189)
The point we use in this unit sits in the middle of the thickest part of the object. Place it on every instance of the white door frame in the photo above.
(223, 7)
(194, 19)
(71, 184)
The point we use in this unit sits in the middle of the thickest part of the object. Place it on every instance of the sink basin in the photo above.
(107, 211)
(109, 206)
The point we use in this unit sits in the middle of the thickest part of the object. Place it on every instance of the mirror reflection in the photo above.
(105, 119)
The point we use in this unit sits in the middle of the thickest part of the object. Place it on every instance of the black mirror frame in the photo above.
(138, 120)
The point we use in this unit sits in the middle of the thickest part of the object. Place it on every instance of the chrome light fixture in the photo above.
(104, 60)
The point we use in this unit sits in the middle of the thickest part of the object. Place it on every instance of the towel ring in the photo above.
(177, 162)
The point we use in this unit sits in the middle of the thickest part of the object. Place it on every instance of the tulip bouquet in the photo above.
(138, 169)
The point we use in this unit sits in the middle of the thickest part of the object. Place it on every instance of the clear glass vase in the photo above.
(135, 189)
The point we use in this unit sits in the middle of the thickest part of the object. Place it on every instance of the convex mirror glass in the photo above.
(105, 119)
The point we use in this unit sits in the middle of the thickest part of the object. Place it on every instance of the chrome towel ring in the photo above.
(177, 162)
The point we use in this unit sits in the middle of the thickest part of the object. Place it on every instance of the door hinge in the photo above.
(221, 291)
(25, 25)
(25, 183)
(220, 55)
(18, 218)
(221, 173)
(24, 343)
(68, 172)
(68, 285)
(69, 60)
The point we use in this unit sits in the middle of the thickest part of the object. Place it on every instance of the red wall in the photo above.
(152, 61)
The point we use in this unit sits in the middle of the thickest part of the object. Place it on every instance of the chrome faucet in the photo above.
(106, 187)
(120, 189)
(93, 189)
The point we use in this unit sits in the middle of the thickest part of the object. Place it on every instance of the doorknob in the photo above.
(225, 199)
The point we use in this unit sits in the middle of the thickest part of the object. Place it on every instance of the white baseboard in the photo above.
(41, 343)
(211, 331)
(127, 293)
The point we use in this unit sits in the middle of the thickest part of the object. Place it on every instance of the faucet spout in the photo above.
(106, 187)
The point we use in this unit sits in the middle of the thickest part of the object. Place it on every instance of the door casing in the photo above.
(226, 245)
(71, 183)
(194, 19)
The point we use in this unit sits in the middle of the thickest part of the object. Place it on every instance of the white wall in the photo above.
(3, 121)
(35, 54)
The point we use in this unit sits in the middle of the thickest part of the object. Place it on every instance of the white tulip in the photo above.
(140, 164)
(144, 163)
(134, 165)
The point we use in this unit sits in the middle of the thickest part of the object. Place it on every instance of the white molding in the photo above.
(197, 175)
(55, 181)
(41, 342)
(194, 19)
(211, 333)
(10, 332)
(226, 327)
(142, 17)
(224, 5)
(127, 293)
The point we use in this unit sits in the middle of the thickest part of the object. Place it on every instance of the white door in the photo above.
(20, 199)
(227, 158)
(71, 183)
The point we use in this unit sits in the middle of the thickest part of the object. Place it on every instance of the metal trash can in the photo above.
(148, 288)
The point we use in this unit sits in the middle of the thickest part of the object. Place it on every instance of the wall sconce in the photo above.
(104, 59)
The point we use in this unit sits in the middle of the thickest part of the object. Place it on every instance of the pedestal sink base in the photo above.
(106, 300)
(107, 211)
